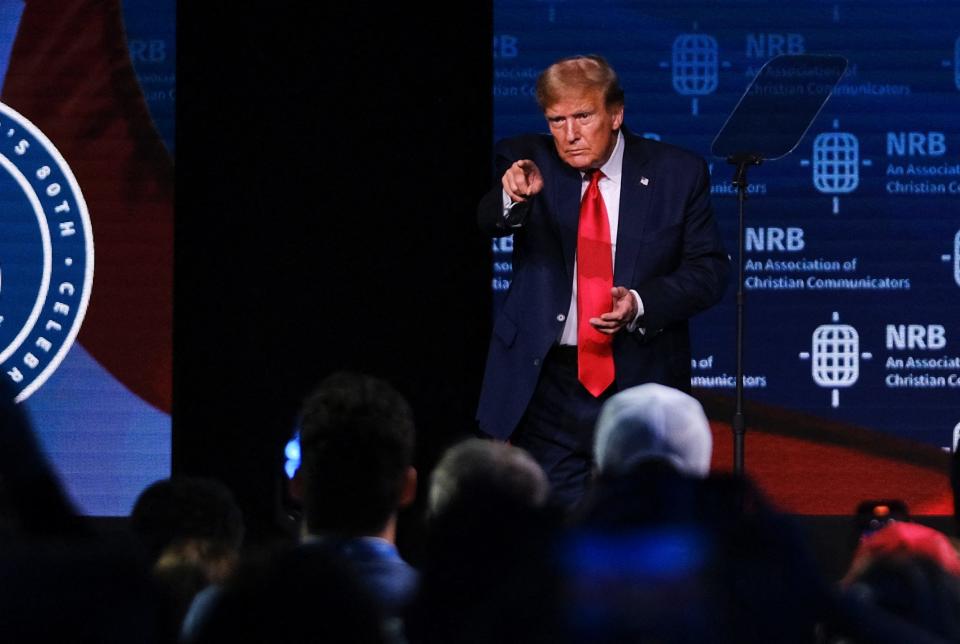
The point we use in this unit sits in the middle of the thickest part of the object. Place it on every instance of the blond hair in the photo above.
(579, 72)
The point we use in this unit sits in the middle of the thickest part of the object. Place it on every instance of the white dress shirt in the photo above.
(609, 185)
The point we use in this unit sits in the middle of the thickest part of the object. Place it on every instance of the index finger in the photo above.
(612, 316)
(527, 166)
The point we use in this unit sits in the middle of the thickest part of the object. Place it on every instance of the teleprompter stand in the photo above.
(767, 124)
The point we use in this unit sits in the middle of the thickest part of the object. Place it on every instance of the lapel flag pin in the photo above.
(644, 181)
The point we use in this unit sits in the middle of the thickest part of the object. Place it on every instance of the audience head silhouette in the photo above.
(652, 422)
(357, 440)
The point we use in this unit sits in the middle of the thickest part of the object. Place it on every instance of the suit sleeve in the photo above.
(700, 277)
(490, 217)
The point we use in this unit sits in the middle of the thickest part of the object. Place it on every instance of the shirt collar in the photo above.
(613, 168)
(376, 542)
(353, 545)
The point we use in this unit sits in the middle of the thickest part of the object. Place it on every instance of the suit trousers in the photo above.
(557, 428)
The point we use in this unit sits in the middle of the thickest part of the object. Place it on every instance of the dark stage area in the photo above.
(330, 164)
(330, 161)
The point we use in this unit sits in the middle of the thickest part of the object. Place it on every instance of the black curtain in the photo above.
(329, 163)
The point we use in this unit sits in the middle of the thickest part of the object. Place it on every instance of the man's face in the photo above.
(583, 128)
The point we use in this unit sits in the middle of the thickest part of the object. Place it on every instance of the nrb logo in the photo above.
(835, 357)
(46, 255)
(836, 164)
(956, 63)
(954, 258)
(695, 66)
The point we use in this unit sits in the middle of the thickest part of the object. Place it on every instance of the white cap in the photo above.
(651, 422)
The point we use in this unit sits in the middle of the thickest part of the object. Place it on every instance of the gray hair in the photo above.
(652, 422)
(476, 463)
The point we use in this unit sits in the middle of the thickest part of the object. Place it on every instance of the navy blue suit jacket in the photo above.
(668, 249)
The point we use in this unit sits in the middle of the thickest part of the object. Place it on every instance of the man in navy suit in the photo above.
(654, 218)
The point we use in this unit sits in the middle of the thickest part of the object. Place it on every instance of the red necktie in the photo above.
(594, 281)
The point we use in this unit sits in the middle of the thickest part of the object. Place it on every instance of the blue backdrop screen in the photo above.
(853, 240)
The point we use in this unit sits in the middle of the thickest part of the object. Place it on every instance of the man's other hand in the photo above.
(522, 180)
(623, 312)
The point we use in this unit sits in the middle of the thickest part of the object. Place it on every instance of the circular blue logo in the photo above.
(46, 255)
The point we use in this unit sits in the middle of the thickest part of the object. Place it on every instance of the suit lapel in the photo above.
(636, 192)
(568, 201)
